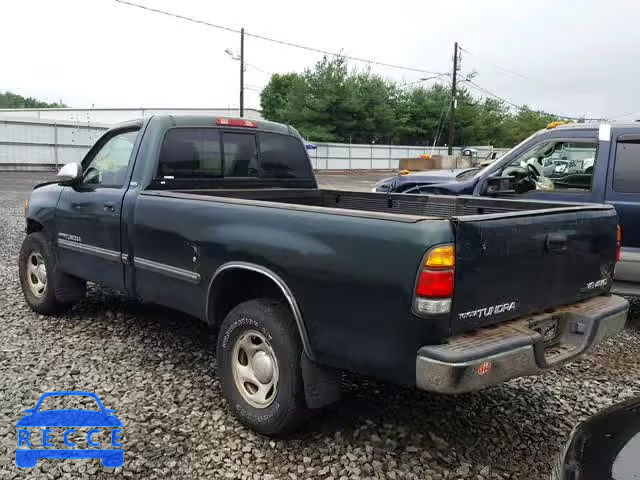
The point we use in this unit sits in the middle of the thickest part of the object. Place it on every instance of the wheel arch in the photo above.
(34, 225)
(269, 279)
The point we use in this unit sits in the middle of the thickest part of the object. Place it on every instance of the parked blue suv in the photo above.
(605, 168)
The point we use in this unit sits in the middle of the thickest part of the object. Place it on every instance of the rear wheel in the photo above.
(258, 356)
(37, 264)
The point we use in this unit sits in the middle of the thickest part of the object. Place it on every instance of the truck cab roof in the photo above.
(596, 126)
(209, 121)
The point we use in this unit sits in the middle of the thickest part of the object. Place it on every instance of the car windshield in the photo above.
(492, 166)
(69, 402)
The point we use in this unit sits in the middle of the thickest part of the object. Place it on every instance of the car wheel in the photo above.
(258, 355)
(36, 264)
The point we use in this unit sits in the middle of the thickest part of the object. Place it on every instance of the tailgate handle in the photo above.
(556, 242)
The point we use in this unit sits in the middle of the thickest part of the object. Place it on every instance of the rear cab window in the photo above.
(240, 155)
(282, 156)
(190, 153)
(205, 152)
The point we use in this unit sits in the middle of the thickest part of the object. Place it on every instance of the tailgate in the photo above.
(514, 264)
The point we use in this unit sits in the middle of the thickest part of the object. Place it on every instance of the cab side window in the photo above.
(108, 167)
(555, 165)
(626, 176)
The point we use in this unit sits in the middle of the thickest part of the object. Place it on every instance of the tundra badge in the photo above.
(489, 311)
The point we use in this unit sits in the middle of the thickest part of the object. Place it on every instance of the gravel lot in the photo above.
(155, 367)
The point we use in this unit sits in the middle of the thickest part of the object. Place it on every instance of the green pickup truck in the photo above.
(222, 218)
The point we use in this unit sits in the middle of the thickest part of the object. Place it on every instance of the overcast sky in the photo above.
(571, 57)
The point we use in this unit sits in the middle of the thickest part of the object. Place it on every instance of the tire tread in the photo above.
(294, 411)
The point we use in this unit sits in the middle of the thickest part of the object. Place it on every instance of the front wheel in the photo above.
(258, 356)
(36, 264)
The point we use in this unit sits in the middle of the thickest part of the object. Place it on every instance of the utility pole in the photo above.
(452, 120)
(242, 72)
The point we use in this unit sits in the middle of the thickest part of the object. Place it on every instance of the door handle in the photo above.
(557, 242)
(109, 206)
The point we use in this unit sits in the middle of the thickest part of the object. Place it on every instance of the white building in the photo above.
(112, 116)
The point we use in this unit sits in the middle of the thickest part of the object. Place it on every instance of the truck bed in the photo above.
(513, 248)
(411, 207)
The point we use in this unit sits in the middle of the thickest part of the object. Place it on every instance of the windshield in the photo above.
(509, 154)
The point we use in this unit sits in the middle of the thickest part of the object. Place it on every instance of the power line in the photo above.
(452, 115)
(491, 94)
(274, 40)
(521, 107)
(440, 75)
(494, 64)
(512, 72)
(621, 115)
(256, 68)
(442, 122)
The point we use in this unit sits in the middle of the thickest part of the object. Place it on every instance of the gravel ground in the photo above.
(155, 367)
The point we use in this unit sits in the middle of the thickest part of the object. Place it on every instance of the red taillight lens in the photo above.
(434, 287)
(236, 122)
(435, 283)
(618, 243)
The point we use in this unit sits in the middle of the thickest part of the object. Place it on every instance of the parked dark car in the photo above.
(222, 219)
(606, 446)
(402, 183)
(606, 170)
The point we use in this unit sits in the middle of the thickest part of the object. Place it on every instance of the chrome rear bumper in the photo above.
(515, 349)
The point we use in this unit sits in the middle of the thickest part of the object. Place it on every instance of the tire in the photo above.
(267, 326)
(36, 247)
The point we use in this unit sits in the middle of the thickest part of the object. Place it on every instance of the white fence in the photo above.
(29, 143)
(342, 156)
(112, 116)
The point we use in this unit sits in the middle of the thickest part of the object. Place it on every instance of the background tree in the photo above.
(276, 95)
(421, 114)
(524, 123)
(13, 100)
(332, 103)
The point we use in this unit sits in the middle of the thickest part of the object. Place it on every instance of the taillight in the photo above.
(236, 122)
(434, 287)
(443, 256)
(434, 283)
(618, 243)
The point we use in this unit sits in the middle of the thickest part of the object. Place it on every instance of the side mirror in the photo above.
(493, 185)
(69, 174)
